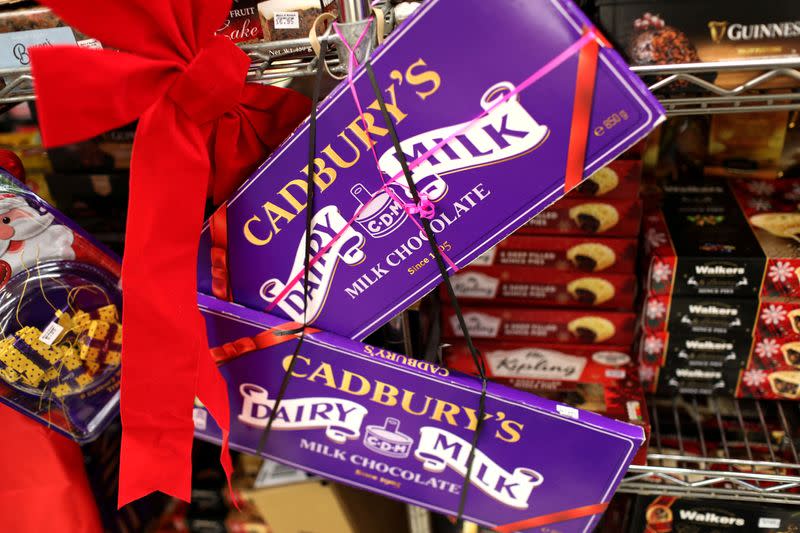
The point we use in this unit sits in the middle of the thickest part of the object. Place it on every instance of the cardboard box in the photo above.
(242, 24)
(568, 326)
(571, 254)
(321, 507)
(584, 216)
(401, 427)
(604, 381)
(703, 242)
(694, 351)
(684, 316)
(670, 513)
(620, 179)
(658, 32)
(541, 286)
(680, 378)
(480, 183)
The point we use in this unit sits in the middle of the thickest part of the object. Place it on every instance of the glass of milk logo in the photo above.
(382, 215)
(387, 439)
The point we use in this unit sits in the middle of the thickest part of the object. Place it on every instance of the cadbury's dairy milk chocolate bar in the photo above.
(490, 179)
(400, 427)
(588, 216)
(542, 286)
(601, 380)
(720, 239)
(573, 254)
(568, 326)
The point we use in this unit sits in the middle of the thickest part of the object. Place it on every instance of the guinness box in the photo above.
(604, 381)
(542, 286)
(572, 254)
(588, 216)
(371, 260)
(659, 32)
(568, 326)
(706, 241)
(401, 427)
(670, 513)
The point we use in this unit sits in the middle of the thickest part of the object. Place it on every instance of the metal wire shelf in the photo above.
(690, 89)
(721, 449)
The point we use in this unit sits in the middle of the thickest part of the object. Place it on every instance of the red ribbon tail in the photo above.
(581, 113)
(553, 518)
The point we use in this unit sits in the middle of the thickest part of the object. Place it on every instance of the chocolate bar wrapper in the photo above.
(480, 190)
(588, 216)
(620, 179)
(400, 427)
(60, 303)
(571, 254)
(541, 286)
(682, 31)
(670, 513)
(567, 326)
(733, 317)
(604, 381)
(242, 24)
(704, 243)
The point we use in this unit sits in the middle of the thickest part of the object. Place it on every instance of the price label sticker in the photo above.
(287, 20)
(15, 47)
(567, 410)
(51, 333)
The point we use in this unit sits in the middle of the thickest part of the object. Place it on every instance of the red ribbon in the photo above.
(266, 339)
(201, 129)
(553, 518)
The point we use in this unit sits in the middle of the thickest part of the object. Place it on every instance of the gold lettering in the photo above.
(251, 237)
(357, 127)
(408, 397)
(385, 394)
(326, 372)
(337, 159)
(288, 359)
(321, 170)
(426, 76)
(446, 409)
(391, 106)
(473, 418)
(280, 213)
(513, 434)
(289, 197)
(347, 378)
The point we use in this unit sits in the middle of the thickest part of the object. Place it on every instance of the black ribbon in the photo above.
(426, 224)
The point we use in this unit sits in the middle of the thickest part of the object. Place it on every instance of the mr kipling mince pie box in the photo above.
(502, 159)
(707, 241)
(397, 426)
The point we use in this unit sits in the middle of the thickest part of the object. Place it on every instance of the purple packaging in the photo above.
(484, 184)
(60, 317)
(400, 427)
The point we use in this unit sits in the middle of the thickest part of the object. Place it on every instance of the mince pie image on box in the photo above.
(594, 217)
(601, 182)
(794, 319)
(791, 353)
(786, 225)
(592, 291)
(785, 383)
(591, 256)
(591, 329)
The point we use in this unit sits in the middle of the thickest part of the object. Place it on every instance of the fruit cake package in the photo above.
(60, 317)
(402, 427)
(488, 150)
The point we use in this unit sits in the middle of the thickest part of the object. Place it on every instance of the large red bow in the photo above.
(201, 128)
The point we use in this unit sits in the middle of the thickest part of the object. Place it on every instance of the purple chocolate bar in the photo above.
(484, 184)
(401, 427)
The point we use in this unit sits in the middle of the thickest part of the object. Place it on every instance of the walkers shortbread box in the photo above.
(705, 243)
(503, 136)
(700, 316)
(600, 380)
(568, 326)
(574, 254)
(542, 286)
(401, 427)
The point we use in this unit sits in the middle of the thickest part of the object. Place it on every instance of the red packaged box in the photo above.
(572, 254)
(568, 326)
(604, 381)
(242, 24)
(544, 286)
(620, 179)
(588, 216)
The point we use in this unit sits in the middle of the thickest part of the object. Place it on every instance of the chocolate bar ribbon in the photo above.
(201, 129)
